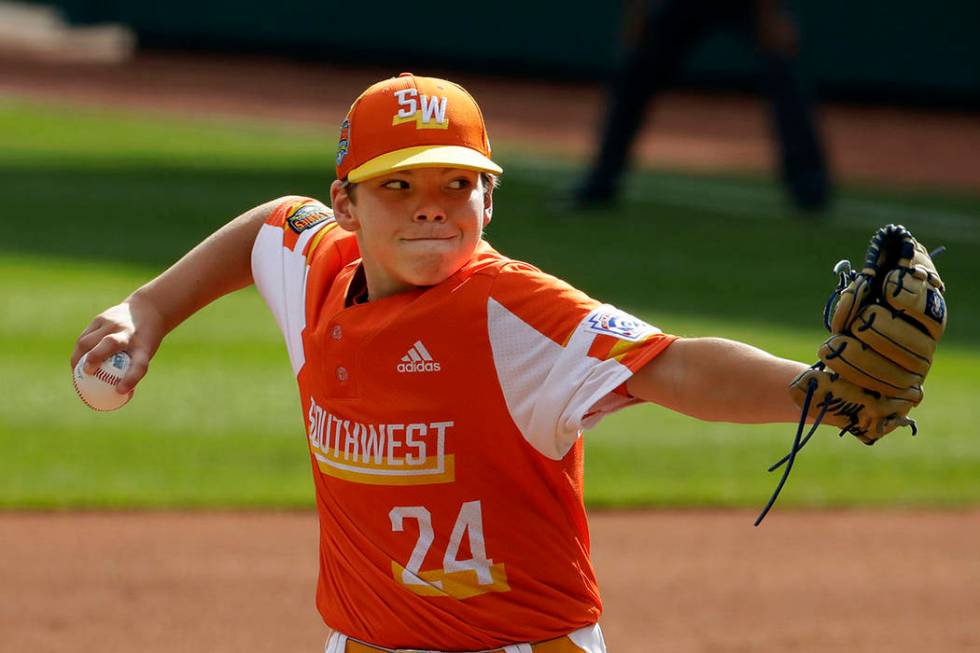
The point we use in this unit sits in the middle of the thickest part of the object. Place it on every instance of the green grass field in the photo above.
(96, 203)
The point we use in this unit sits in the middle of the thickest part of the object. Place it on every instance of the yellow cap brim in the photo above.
(424, 156)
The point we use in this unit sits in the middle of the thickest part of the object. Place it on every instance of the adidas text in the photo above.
(421, 366)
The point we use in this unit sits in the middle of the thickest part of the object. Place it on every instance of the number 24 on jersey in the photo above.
(460, 579)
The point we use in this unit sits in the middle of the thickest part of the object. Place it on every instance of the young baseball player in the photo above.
(444, 386)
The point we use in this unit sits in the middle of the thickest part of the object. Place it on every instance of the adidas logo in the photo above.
(418, 359)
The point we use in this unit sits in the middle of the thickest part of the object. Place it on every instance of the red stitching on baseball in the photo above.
(104, 376)
(74, 382)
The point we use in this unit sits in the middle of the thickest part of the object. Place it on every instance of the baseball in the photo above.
(98, 390)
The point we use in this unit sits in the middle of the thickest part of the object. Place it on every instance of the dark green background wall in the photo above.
(897, 49)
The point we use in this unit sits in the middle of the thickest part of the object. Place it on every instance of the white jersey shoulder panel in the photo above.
(553, 392)
(280, 274)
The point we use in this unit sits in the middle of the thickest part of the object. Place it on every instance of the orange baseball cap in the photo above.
(412, 122)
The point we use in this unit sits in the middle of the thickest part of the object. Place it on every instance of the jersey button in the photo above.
(341, 374)
(336, 332)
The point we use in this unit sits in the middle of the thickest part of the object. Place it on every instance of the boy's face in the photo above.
(414, 227)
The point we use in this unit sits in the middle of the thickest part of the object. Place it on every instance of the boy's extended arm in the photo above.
(217, 266)
(719, 380)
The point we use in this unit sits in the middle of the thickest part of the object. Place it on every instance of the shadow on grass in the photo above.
(644, 257)
(143, 216)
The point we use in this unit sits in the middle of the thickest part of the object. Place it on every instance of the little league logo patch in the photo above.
(616, 323)
(344, 144)
(307, 216)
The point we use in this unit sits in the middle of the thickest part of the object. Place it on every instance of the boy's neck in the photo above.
(357, 291)
(363, 288)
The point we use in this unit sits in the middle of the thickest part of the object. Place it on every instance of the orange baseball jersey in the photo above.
(444, 430)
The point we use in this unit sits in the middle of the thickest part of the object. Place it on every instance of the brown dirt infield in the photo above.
(684, 582)
(696, 581)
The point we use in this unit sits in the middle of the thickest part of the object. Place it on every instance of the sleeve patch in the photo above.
(609, 321)
(307, 216)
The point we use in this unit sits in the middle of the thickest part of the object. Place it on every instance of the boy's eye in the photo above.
(459, 184)
(395, 184)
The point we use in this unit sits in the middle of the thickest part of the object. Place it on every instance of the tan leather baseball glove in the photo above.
(884, 329)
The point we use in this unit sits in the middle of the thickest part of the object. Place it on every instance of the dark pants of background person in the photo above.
(669, 30)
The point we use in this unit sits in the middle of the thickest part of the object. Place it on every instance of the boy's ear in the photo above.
(343, 206)
(487, 206)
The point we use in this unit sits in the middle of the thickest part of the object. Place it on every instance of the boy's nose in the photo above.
(430, 213)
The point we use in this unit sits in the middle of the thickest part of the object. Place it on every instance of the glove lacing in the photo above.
(846, 276)
(799, 441)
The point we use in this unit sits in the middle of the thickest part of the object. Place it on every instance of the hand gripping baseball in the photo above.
(133, 326)
(884, 328)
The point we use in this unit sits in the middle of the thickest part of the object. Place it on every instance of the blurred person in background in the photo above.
(659, 36)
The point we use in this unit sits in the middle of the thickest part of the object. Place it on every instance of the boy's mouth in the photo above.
(426, 238)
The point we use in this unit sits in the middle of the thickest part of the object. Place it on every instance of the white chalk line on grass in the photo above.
(732, 198)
